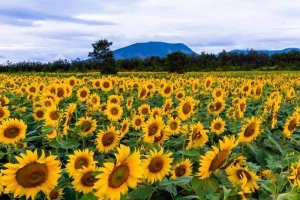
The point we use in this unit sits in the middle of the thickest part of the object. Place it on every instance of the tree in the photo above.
(177, 61)
(103, 56)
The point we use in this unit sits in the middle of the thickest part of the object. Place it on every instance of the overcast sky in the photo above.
(45, 30)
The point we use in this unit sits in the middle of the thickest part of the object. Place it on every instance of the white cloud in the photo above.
(67, 28)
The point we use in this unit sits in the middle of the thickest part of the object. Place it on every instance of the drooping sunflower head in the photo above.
(291, 124)
(113, 112)
(4, 112)
(80, 159)
(12, 131)
(167, 106)
(107, 139)
(183, 168)
(238, 161)
(250, 130)
(157, 165)
(125, 127)
(163, 136)
(129, 102)
(198, 136)
(31, 175)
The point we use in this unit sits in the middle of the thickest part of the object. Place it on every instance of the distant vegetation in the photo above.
(174, 62)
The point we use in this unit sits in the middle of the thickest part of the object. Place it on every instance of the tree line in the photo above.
(102, 59)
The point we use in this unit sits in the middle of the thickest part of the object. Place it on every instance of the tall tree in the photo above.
(103, 56)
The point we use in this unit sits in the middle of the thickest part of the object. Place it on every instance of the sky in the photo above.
(46, 30)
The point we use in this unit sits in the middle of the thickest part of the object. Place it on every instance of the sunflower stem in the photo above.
(9, 152)
(83, 141)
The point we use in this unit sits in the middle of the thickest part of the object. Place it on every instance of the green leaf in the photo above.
(33, 138)
(89, 196)
(191, 153)
(69, 144)
(226, 193)
(179, 180)
(197, 185)
(54, 144)
(142, 192)
(188, 197)
(46, 130)
(270, 187)
(211, 185)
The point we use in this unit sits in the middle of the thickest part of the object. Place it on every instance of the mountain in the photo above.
(269, 52)
(148, 49)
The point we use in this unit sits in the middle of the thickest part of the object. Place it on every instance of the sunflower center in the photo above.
(11, 132)
(143, 93)
(1, 113)
(156, 164)
(54, 194)
(180, 171)
(86, 125)
(219, 160)
(258, 91)
(40, 114)
(114, 111)
(145, 111)
(167, 107)
(47, 104)
(207, 83)
(138, 122)
(32, 175)
(106, 85)
(249, 131)
(124, 127)
(118, 176)
(196, 135)
(174, 126)
(152, 130)
(246, 88)
(32, 89)
(72, 82)
(158, 138)
(94, 100)
(97, 84)
(88, 179)
(218, 93)
(186, 108)
(60, 92)
(218, 106)
(80, 162)
(242, 107)
(217, 126)
(54, 115)
(114, 101)
(179, 96)
(240, 173)
(108, 138)
(292, 125)
(167, 90)
(83, 94)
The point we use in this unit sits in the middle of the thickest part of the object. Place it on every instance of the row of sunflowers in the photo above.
(150, 136)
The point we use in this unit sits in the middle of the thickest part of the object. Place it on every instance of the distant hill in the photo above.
(144, 50)
(269, 52)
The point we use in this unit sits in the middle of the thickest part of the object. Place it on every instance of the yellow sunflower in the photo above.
(106, 85)
(218, 93)
(163, 136)
(52, 114)
(155, 112)
(97, 84)
(83, 94)
(213, 160)
(93, 102)
(137, 122)
(4, 101)
(55, 194)
(129, 103)
(186, 108)
(80, 159)
(38, 114)
(237, 173)
(108, 139)
(167, 106)
(114, 99)
(238, 161)
(52, 133)
(84, 179)
(144, 109)
(216, 107)
(47, 102)
(4, 113)
(68, 113)
(208, 82)
(116, 178)
(183, 168)
(12, 131)
(167, 90)
(250, 130)
(180, 94)
(294, 174)
(124, 127)
(198, 136)
(291, 124)
(157, 165)
(87, 125)
(152, 128)
(217, 126)
(31, 175)
(173, 125)
(113, 112)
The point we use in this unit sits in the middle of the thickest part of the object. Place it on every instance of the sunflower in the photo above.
(167, 106)
(108, 139)
(157, 165)
(137, 122)
(241, 105)
(113, 112)
(52, 114)
(124, 127)
(129, 103)
(4, 113)
(97, 84)
(250, 130)
(186, 108)
(237, 173)
(87, 125)
(180, 94)
(80, 159)
(213, 160)
(52, 133)
(68, 113)
(163, 136)
(142, 93)
(61, 91)
(198, 136)
(294, 174)
(38, 114)
(183, 168)
(93, 102)
(238, 161)
(31, 175)
(83, 94)
(84, 179)
(55, 194)
(116, 178)
(208, 82)
(174, 125)
(12, 131)
(291, 124)
(114, 99)
(144, 109)
(47, 102)
(216, 107)
(152, 128)
(106, 85)
(218, 93)
(217, 126)
(167, 90)
(155, 112)
(4, 101)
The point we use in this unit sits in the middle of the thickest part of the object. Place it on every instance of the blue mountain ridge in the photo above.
(269, 52)
(144, 50)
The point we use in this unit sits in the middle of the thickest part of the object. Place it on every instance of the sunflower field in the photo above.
(226, 135)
